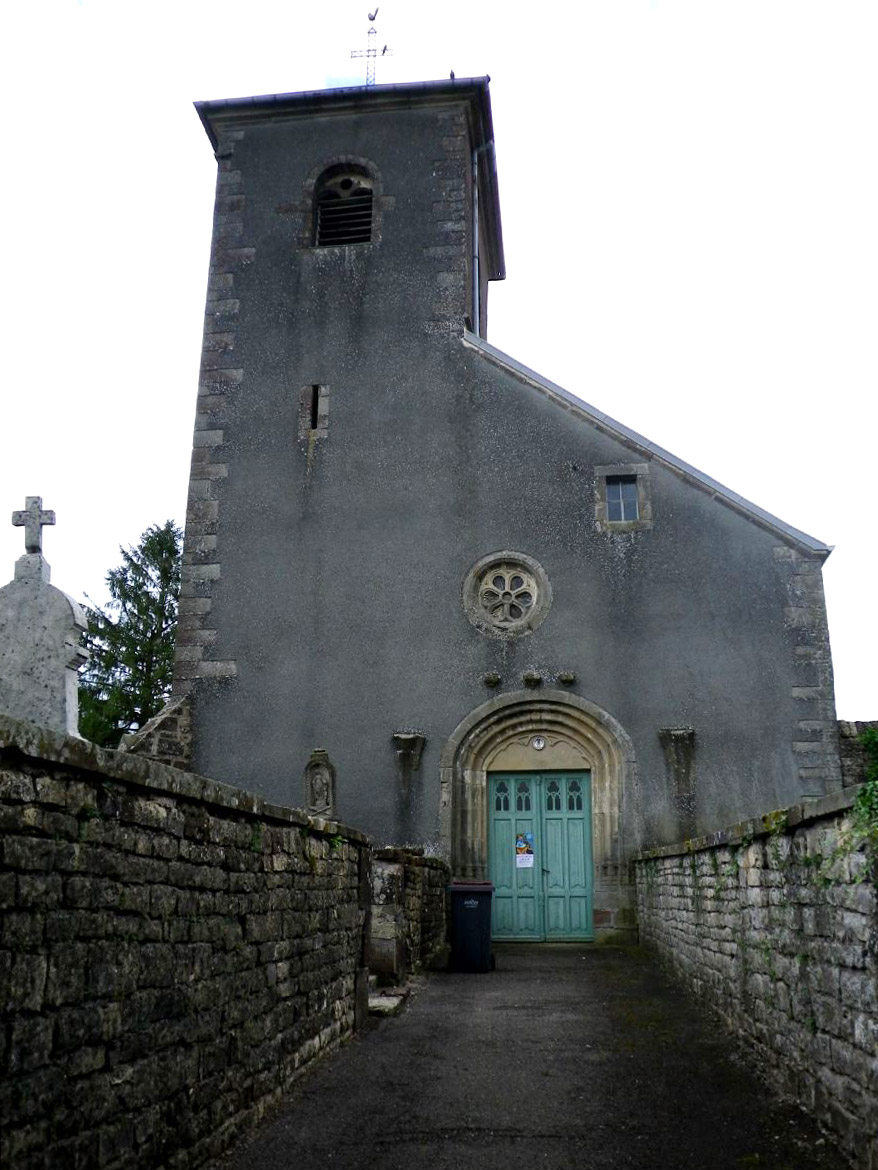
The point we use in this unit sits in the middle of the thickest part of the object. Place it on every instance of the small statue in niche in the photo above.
(320, 785)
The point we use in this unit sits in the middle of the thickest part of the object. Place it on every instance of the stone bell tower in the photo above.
(355, 232)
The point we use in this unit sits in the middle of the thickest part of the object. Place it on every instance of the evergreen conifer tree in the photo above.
(131, 640)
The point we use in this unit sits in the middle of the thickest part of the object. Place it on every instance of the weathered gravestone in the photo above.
(40, 632)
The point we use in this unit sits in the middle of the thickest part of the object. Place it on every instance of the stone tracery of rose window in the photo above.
(507, 594)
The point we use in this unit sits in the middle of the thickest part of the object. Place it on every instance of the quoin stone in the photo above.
(40, 635)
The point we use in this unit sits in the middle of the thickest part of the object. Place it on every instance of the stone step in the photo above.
(387, 1002)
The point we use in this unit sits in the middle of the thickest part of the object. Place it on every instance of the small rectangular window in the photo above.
(622, 497)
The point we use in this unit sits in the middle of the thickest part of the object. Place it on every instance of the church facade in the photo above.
(519, 633)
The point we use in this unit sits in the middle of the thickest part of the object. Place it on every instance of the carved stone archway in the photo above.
(578, 733)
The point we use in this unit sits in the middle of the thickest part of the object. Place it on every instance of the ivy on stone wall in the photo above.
(864, 813)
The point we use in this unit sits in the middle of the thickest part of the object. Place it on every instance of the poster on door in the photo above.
(524, 851)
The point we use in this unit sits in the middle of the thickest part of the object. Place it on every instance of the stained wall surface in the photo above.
(323, 590)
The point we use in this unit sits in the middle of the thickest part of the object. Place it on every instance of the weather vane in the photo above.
(371, 52)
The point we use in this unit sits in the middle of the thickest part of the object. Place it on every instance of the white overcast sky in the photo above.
(689, 194)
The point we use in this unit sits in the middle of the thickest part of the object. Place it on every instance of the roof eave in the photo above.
(474, 89)
(650, 450)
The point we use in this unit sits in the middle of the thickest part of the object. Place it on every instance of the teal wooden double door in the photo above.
(539, 855)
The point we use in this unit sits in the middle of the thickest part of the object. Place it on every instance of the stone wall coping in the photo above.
(39, 745)
(133, 739)
(854, 728)
(744, 832)
(404, 857)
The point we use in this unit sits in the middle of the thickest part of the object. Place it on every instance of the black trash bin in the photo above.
(471, 926)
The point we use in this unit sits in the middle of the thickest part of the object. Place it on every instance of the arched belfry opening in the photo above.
(343, 206)
(571, 733)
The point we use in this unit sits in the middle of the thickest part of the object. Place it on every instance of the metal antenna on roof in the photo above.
(371, 51)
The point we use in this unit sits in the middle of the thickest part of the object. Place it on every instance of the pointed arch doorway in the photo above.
(554, 743)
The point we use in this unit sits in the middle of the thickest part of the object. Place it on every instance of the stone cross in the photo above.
(32, 518)
(40, 631)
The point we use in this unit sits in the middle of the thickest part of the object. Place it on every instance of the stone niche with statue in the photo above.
(320, 785)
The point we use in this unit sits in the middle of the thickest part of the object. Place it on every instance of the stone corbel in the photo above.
(409, 746)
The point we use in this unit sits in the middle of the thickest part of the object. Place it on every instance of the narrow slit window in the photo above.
(343, 210)
(313, 412)
(622, 498)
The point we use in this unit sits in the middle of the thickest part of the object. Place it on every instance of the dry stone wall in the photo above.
(409, 912)
(173, 952)
(853, 750)
(166, 738)
(427, 881)
(782, 941)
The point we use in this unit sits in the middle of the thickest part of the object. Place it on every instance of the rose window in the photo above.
(507, 594)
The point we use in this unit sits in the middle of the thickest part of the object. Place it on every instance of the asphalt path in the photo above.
(565, 1056)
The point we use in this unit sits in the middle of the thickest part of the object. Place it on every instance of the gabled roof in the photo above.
(648, 449)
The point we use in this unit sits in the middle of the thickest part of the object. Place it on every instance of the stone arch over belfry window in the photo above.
(343, 202)
(580, 732)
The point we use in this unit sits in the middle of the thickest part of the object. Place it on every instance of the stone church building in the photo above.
(520, 634)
